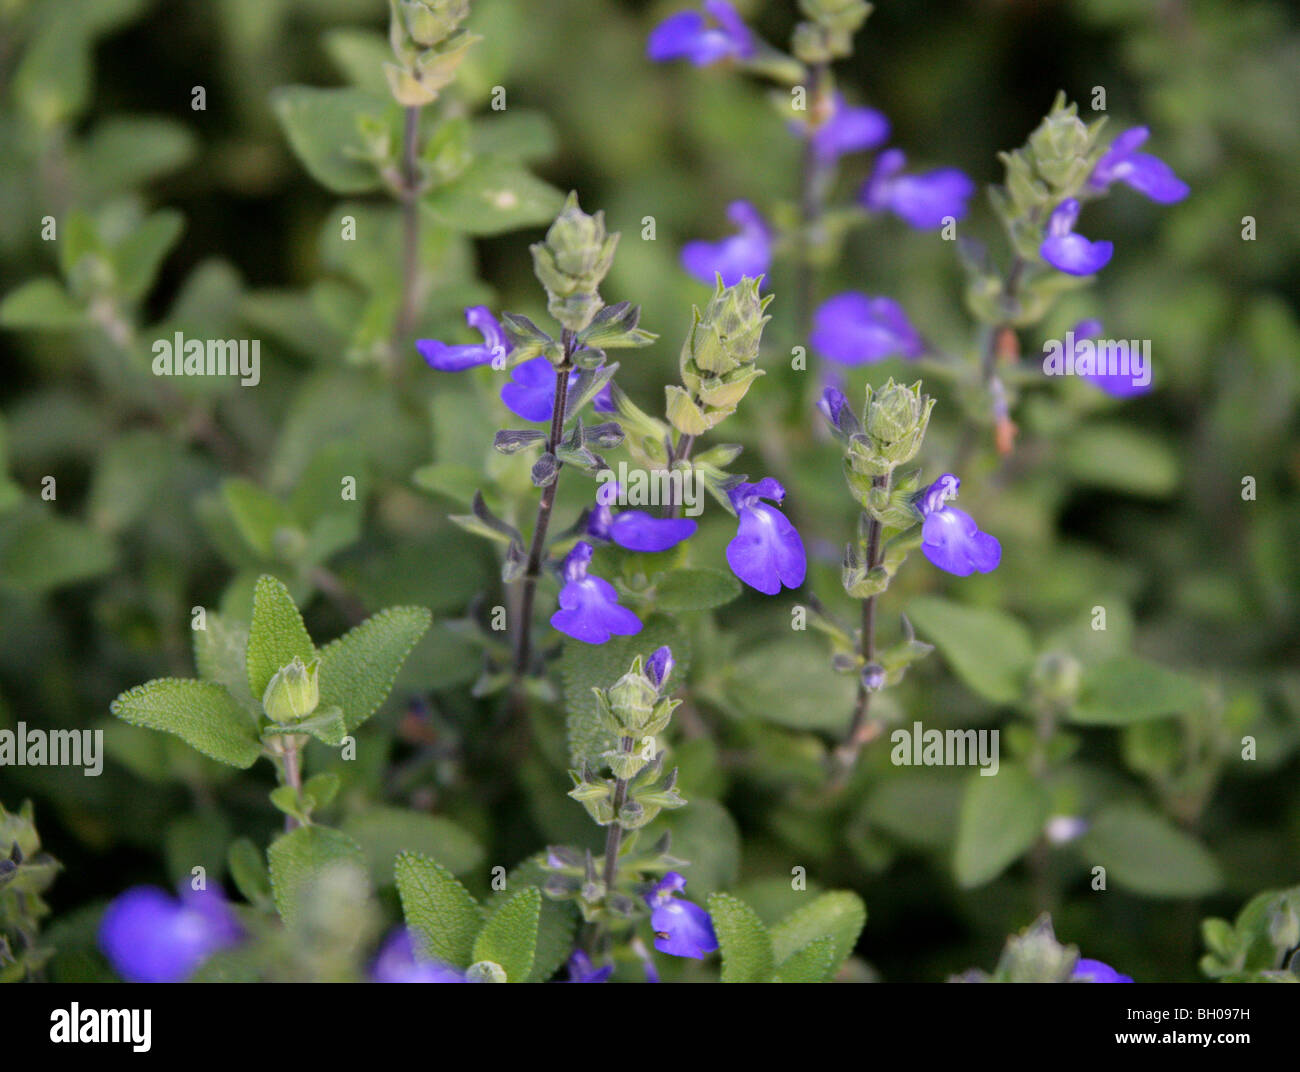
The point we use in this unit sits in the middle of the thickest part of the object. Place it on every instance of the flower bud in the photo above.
(429, 48)
(572, 262)
(431, 21)
(1057, 678)
(294, 692)
(843, 16)
(1060, 144)
(485, 971)
(895, 420)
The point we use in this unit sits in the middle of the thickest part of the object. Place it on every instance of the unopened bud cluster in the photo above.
(429, 45)
(294, 692)
(719, 357)
(572, 262)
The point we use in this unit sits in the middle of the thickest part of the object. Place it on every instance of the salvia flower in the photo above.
(1117, 384)
(848, 129)
(659, 666)
(682, 928)
(150, 936)
(1147, 174)
(950, 539)
(589, 608)
(746, 253)
(856, 329)
(1094, 971)
(921, 201)
(398, 962)
(834, 406)
(582, 970)
(702, 38)
(767, 551)
(635, 530)
(1069, 252)
(446, 358)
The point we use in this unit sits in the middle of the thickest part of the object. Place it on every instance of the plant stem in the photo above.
(409, 195)
(537, 549)
(680, 453)
(862, 730)
(290, 762)
(614, 835)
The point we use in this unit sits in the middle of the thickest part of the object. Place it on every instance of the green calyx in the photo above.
(894, 422)
(429, 47)
(572, 262)
(293, 692)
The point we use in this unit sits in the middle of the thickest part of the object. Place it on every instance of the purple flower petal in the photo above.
(766, 552)
(849, 129)
(682, 928)
(1145, 173)
(1094, 971)
(530, 394)
(637, 530)
(659, 666)
(398, 963)
(855, 329)
(688, 35)
(748, 253)
(589, 609)
(151, 937)
(581, 969)
(446, 358)
(952, 541)
(921, 201)
(1069, 252)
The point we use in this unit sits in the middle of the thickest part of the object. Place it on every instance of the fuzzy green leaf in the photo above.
(276, 636)
(201, 713)
(323, 128)
(357, 671)
(1128, 689)
(814, 963)
(746, 948)
(556, 925)
(40, 304)
(440, 912)
(839, 916)
(492, 196)
(695, 589)
(297, 859)
(1145, 853)
(509, 937)
(384, 833)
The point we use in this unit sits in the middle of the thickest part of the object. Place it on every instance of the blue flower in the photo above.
(748, 253)
(398, 963)
(855, 329)
(834, 406)
(950, 539)
(1118, 384)
(446, 358)
(1147, 174)
(151, 937)
(682, 928)
(659, 666)
(589, 609)
(921, 201)
(849, 129)
(767, 551)
(1094, 971)
(581, 969)
(1069, 252)
(635, 530)
(689, 35)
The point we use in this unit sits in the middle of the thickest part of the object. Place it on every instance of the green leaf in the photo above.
(788, 683)
(1123, 459)
(324, 131)
(989, 650)
(126, 151)
(44, 551)
(1128, 689)
(221, 654)
(139, 256)
(838, 916)
(297, 860)
(556, 924)
(695, 589)
(201, 713)
(1145, 853)
(492, 196)
(746, 948)
(40, 304)
(385, 833)
(1001, 817)
(357, 671)
(587, 666)
(248, 870)
(457, 482)
(440, 912)
(518, 134)
(814, 963)
(276, 636)
(509, 937)
(256, 513)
